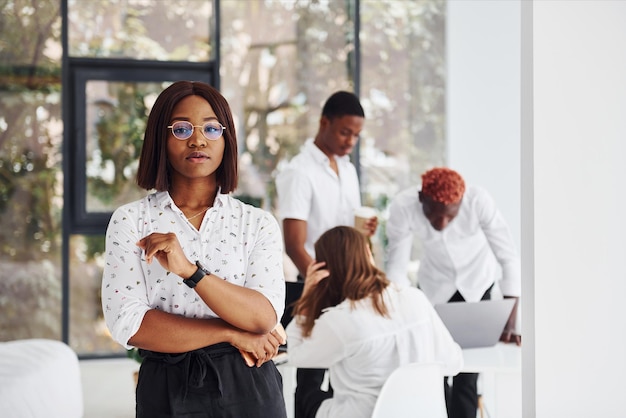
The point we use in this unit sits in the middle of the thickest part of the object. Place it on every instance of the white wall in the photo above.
(483, 99)
(483, 44)
(562, 109)
(579, 148)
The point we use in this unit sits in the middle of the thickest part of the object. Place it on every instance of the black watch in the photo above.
(197, 276)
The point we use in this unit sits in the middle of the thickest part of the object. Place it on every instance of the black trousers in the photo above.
(213, 382)
(462, 396)
(293, 291)
(309, 394)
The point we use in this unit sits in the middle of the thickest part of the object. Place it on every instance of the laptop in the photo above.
(476, 324)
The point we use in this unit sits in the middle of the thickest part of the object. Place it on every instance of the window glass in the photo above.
(116, 116)
(280, 61)
(278, 74)
(403, 85)
(31, 180)
(174, 30)
(403, 92)
(88, 332)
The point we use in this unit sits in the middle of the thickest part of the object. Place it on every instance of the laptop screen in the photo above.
(476, 324)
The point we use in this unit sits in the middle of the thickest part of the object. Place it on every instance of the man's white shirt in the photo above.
(474, 251)
(309, 190)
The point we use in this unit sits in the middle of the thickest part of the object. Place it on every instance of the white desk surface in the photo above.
(500, 365)
(501, 358)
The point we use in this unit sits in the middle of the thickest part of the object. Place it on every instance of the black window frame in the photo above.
(76, 72)
(81, 72)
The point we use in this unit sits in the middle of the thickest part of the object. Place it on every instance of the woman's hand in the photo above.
(168, 252)
(257, 349)
(314, 274)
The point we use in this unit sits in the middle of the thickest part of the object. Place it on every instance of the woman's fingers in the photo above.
(315, 272)
(166, 249)
(314, 266)
(280, 334)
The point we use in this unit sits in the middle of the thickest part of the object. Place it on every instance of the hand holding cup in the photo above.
(366, 220)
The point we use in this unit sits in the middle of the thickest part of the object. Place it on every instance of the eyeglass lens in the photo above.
(183, 130)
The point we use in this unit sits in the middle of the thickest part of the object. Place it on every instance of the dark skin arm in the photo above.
(249, 328)
(295, 233)
(509, 335)
(255, 313)
(186, 334)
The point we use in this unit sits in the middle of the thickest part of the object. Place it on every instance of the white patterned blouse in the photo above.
(236, 241)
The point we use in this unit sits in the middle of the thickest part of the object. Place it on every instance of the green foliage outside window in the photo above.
(279, 61)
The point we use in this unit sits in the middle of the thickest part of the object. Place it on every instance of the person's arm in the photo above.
(295, 196)
(133, 322)
(253, 311)
(186, 334)
(257, 306)
(500, 240)
(295, 233)
(510, 335)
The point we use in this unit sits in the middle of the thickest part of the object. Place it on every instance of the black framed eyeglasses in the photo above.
(183, 130)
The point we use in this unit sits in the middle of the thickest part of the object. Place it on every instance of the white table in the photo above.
(500, 380)
(501, 358)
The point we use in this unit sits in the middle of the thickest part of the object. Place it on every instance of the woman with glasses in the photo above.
(194, 277)
(353, 321)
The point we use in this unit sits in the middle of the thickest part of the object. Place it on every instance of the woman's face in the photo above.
(197, 156)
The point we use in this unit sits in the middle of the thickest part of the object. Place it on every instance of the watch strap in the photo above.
(197, 276)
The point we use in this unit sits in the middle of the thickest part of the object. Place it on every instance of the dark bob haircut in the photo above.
(154, 168)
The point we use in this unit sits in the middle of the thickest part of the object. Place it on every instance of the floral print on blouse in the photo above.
(236, 241)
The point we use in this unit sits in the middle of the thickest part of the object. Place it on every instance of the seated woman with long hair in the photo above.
(352, 320)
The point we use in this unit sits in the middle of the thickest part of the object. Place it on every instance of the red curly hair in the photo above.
(443, 185)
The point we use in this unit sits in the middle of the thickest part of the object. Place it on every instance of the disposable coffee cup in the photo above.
(361, 216)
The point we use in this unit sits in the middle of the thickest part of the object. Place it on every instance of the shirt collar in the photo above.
(319, 156)
(164, 200)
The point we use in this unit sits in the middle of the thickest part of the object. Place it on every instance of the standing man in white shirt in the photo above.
(466, 248)
(318, 190)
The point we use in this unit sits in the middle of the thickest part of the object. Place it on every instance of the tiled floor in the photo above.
(109, 388)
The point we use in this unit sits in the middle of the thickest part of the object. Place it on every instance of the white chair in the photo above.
(414, 390)
(40, 378)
